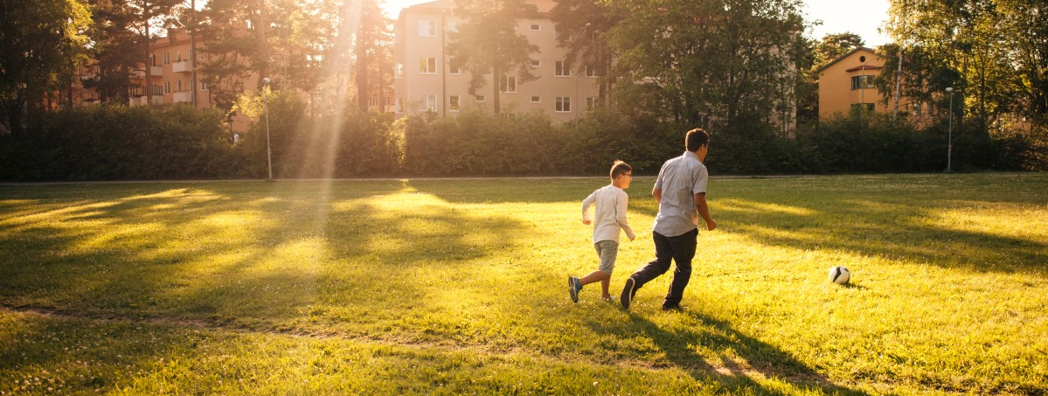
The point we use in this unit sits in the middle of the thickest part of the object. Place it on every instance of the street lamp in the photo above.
(949, 145)
(269, 153)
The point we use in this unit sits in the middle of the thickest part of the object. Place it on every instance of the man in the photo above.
(680, 191)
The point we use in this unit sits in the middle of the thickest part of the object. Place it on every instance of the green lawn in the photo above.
(458, 287)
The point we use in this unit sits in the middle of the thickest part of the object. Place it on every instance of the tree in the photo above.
(581, 25)
(116, 49)
(487, 43)
(725, 63)
(150, 13)
(39, 41)
(372, 35)
(834, 46)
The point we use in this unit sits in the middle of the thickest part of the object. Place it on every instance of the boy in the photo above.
(611, 202)
(680, 191)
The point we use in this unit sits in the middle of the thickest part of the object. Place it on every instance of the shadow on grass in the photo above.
(712, 351)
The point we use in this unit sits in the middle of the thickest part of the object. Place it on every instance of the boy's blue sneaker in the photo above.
(573, 288)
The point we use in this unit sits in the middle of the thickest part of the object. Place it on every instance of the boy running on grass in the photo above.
(611, 202)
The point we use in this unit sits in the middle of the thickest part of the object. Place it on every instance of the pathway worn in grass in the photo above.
(437, 286)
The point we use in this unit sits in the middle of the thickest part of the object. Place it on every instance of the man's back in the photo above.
(679, 180)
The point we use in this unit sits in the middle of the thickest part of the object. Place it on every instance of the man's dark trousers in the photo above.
(680, 249)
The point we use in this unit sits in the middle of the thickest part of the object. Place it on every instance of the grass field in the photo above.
(458, 287)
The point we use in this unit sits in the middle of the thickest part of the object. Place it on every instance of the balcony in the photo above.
(183, 97)
(138, 101)
(182, 67)
(155, 71)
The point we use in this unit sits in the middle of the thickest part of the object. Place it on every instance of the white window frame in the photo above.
(591, 103)
(479, 98)
(536, 99)
(398, 71)
(591, 71)
(203, 86)
(178, 86)
(426, 103)
(535, 27)
(427, 28)
(167, 58)
(453, 68)
(508, 84)
(535, 64)
(559, 70)
(454, 103)
(167, 87)
(562, 104)
(427, 62)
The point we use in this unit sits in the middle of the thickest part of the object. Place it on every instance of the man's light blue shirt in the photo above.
(679, 179)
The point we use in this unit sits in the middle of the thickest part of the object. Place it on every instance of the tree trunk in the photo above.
(362, 72)
(147, 79)
(496, 81)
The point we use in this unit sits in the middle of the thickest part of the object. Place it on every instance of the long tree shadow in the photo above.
(712, 351)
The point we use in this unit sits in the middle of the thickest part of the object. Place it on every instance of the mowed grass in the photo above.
(459, 287)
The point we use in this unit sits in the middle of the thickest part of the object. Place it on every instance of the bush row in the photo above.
(179, 142)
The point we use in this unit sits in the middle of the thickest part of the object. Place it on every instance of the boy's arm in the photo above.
(622, 206)
(586, 203)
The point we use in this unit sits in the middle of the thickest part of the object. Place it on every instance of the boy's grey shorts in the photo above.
(608, 250)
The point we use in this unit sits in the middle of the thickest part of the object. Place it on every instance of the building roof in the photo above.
(847, 55)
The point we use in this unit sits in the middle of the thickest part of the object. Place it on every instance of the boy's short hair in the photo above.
(620, 168)
(696, 138)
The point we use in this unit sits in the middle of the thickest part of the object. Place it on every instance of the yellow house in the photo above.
(847, 83)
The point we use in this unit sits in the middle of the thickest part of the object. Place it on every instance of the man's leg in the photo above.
(663, 256)
(683, 247)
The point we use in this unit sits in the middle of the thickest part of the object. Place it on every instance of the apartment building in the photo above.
(425, 81)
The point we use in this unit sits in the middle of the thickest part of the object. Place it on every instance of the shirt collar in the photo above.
(692, 155)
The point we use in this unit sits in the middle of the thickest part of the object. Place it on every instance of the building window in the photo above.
(508, 84)
(167, 58)
(372, 102)
(178, 85)
(563, 104)
(203, 86)
(862, 82)
(591, 71)
(591, 103)
(152, 59)
(535, 64)
(454, 67)
(398, 71)
(916, 109)
(427, 28)
(427, 66)
(856, 106)
(167, 87)
(479, 98)
(559, 34)
(427, 103)
(178, 56)
(536, 99)
(561, 70)
(535, 27)
(453, 103)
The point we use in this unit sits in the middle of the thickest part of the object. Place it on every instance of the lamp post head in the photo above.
(266, 80)
(949, 89)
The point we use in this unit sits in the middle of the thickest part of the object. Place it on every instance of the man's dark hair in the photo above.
(696, 138)
(620, 168)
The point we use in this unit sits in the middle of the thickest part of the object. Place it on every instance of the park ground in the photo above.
(459, 287)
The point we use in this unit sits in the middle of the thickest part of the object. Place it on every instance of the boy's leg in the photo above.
(683, 252)
(604, 284)
(595, 276)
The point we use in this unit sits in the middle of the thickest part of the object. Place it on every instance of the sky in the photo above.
(837, 16)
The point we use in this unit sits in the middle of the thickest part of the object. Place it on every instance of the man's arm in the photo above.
(657, 193)
(704, 210)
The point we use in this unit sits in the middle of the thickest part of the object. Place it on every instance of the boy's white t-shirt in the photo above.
(611, 203)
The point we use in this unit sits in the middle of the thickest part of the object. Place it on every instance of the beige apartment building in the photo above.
(424, 80)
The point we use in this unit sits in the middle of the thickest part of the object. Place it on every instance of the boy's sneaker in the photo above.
(573, 288)
(627, 293)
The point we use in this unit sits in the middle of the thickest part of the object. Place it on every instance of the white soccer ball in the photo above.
(839, 275)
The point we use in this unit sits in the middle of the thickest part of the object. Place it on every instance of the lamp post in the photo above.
(949, 144)
(269, 153)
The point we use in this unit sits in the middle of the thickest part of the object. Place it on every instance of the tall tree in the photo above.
(39, 40)
(581, 28)
(487, 43)
(150, 14)
(833, 46)
(372, 35)
(728, 63)
(115, 48)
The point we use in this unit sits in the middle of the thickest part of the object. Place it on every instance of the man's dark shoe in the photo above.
(627, 293)
(674, 307)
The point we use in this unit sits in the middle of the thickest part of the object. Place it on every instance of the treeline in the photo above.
(178, 142)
